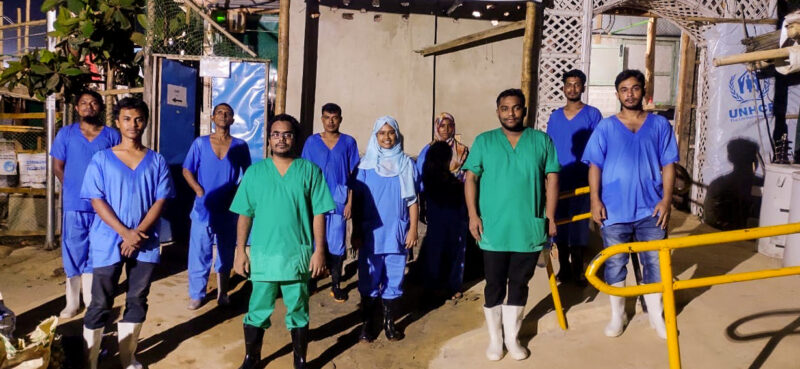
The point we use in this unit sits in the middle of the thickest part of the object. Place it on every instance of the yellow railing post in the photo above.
(670, 318)
(551, 278)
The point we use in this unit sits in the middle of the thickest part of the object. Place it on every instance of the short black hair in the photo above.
(332, 109)
(284, 118)
(511, 92)
(221, 104)
(93, 94)
(628, 73)
(132, 103)
(574, 73)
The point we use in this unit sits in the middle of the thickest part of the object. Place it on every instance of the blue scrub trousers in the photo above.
(75, 242)
(616, 269)
(381, 275)
(202, 238)
(335, 230)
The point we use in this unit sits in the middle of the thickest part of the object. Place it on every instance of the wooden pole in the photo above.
(754, 56)
(19, 31)
(27, 27)
(472, 39)
(528, 60)
(109, 99)
(1, 24)
(650, 62)
(283, 57)
(683, 111)
(731, 20)
(40, 22)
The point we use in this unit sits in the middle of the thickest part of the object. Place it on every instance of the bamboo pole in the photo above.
(109, 99)
(19, 31)
(528, 56)
(731, 20)
(650, 62)
(755, 56)
(283, 57)
(40, 22)
(27, 27)
(2, 19)
(471, 39)
(683, 109)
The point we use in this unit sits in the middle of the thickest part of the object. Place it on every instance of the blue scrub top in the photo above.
(631, 165)
(72, 147)
(570, 137)
(385, 216)
(218, 177)
(337, 164)
(130, 193)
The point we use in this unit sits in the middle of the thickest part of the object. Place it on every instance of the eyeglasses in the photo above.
(285, 135)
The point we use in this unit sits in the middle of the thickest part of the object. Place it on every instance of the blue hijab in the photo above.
(391, 162)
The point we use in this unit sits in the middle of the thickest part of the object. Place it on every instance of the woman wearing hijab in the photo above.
(384, 223)
(445, 130)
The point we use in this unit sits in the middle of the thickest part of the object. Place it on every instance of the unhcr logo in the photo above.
(744, 90)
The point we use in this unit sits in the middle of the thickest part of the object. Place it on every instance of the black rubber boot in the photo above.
(336, 262)
(389, 309)
(367, 311)
(576, 253)
(300, 346)
(564, 266)
(253, 338)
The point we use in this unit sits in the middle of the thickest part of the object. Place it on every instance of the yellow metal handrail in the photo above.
(668, 287)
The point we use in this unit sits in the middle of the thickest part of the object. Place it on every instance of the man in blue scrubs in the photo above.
(337, 155)
(632, 159)
(570, 128)
(212, 168)
(72, 150)
(128, 185)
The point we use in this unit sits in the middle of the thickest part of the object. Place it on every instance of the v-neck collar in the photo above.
(139, 164)
(330, 149)
(508, 143)
(80, 132)
(624, 127)
(275, 168)
(227, 152)
(564, 113)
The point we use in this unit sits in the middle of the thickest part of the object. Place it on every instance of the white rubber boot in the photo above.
(73, 298)
(92, 338)
(86, 289)
(494, 322)
(512, 322)
(654, 309)
(618, 317)
(128, 334)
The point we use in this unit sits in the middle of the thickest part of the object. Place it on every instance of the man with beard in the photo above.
(281, 199)
(72, 151)
(570, 128)
(511, 191)
(632, 159)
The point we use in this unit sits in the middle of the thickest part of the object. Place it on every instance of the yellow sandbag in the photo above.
(34, 354)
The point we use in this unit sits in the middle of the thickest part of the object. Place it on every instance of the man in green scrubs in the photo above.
(281, 199)
(511, 190)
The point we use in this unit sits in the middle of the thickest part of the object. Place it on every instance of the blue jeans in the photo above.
(641, 230)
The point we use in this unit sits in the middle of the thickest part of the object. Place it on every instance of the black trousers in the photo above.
(508, 271)
(104, 287)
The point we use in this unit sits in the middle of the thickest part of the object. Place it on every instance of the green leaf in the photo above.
(46, 56)
(40, 69)
(53, 81)
(75, 6)
(138, 38)
(122, 20)
(87, 29)
(48, 5)
(12, 70)
(71, 71)
(142, 18)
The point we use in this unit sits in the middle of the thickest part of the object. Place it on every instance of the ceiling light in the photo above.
(506, 14)
(489, 6)
(376, 3)
(476, 14)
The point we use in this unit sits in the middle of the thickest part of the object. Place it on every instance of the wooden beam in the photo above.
(529, 63)
(731, 20)
(754, 56)
(218, 28)
(683, 110)
(650, 62)
(2, 20)
(39, 22)
(283, 57)
(120, 91)
(472, 39)
(27, 27)
(21, 129)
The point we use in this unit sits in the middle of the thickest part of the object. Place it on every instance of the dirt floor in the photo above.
(755, 325)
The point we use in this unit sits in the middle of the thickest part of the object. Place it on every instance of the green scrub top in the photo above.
(282, 208)
(511, 199)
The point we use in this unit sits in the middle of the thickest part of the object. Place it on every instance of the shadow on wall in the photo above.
(729, 201)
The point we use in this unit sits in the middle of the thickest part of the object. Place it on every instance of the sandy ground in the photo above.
(745, 325)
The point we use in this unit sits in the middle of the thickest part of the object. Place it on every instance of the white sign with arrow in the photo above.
(176, 95)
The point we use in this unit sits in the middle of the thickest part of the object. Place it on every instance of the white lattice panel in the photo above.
(698, 193)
